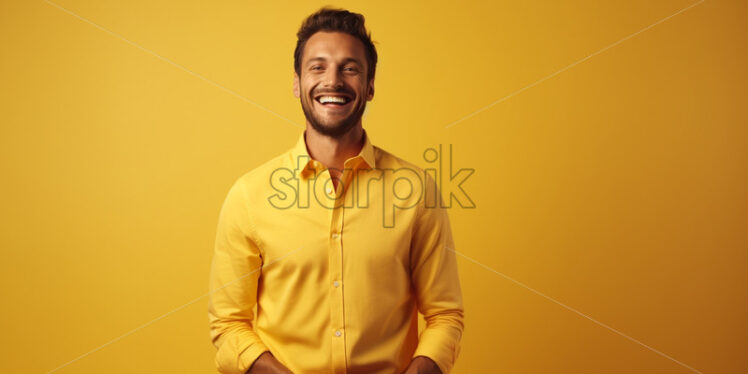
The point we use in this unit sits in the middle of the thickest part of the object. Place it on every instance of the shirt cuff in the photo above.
(248, 357)
(439, 346)
(239, 358)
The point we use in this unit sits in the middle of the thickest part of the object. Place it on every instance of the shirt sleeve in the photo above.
(234, 275)
(436, 283)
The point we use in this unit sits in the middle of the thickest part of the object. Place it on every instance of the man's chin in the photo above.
(329, 124)
(335, 129)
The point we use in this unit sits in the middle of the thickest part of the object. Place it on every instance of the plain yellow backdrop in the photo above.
(610, 172)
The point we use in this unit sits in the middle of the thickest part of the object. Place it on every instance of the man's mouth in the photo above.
(333, 101)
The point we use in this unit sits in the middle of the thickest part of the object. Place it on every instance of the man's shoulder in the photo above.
(422, 178)
(386, 160)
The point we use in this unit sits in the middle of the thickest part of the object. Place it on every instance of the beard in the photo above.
(334, 128)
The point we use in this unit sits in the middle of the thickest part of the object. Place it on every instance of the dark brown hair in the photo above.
(329, 19)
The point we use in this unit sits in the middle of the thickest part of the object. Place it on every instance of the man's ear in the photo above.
(370, 94)
(296, 88)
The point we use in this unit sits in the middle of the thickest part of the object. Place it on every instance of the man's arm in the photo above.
(234, 275)
(437, 286)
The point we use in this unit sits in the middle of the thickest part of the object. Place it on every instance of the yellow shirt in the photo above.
(332, 280)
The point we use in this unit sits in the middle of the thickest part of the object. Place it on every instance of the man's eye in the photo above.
(316, 67)
(350, 69)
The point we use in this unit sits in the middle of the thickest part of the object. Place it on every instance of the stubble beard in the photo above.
(336, 129)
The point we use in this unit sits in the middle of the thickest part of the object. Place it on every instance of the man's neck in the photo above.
(332, 152)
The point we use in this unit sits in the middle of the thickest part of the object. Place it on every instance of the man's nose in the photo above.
(333, 78)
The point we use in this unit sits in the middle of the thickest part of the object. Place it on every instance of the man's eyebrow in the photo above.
(351, 59)
(322, 59)
(315, 59)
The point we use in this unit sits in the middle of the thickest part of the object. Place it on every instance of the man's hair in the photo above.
(340, 20)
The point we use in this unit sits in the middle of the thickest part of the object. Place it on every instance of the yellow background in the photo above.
(616, 187)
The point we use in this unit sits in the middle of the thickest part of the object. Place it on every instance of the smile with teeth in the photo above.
(333, 100)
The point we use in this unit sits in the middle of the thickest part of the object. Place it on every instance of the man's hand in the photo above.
(422, 365)
(268, 364)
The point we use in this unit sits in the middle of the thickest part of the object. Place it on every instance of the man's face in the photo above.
(333, 86)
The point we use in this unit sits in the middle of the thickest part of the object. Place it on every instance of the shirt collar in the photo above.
(300, 156)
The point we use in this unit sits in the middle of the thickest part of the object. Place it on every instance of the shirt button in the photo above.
(328, 190)
(336, 284)
(335, 235)
(338, 333)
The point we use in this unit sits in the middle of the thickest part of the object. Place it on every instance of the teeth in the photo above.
(332, 99)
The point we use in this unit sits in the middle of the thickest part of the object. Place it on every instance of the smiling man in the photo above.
(325, 255)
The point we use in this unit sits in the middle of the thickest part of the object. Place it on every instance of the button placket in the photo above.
(337, 314)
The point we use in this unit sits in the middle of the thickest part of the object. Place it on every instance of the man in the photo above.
(337, 243)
